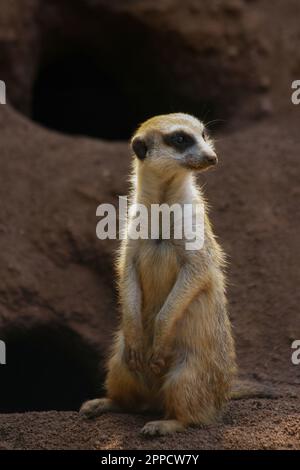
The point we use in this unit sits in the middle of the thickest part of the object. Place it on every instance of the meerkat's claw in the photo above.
(161, 428)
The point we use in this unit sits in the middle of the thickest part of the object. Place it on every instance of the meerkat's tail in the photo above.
(245, 389)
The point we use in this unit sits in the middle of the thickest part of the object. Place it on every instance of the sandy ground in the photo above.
(246, 424)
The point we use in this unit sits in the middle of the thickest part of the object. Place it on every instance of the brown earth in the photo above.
(57, 295)
(248, 424)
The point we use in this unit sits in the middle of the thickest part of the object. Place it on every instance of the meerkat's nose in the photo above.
(211, 158)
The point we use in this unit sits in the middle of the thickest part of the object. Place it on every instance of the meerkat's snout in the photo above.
(200, 160)
(208, 155)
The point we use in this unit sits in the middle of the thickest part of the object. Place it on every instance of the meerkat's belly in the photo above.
(158, 269)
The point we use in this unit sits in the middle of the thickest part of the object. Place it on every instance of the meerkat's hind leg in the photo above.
(162, 427)
(124, 392)
(96, 407)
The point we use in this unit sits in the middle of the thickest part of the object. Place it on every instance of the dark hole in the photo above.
(75, 94)
(47, 368)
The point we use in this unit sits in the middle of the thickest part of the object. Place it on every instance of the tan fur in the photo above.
(174, 351)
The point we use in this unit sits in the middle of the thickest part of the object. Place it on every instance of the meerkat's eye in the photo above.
(180, 140)
(204, 135)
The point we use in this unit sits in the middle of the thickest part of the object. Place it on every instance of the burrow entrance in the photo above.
(48, 368)
(75, 96)
(105, 80)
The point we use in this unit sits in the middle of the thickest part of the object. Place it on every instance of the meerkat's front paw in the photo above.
(94, 408)
(158, 360)
(157, 364)
(134, 359)
(162, 427)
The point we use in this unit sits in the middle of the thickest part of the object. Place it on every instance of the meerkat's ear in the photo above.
(139, 147)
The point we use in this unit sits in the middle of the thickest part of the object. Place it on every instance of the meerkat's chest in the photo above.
(158, 266)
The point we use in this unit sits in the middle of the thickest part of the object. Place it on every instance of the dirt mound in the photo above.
(57, 292)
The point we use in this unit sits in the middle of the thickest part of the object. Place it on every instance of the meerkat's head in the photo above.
(172, 142)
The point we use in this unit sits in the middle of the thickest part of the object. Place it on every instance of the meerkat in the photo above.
(174, 352)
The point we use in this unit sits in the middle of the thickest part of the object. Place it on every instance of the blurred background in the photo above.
(80, 76)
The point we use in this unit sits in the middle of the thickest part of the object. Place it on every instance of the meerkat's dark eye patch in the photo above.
(180, 140)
